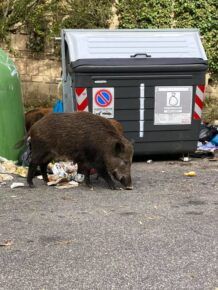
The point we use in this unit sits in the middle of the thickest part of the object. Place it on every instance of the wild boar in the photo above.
(31, 117)
(89, 140)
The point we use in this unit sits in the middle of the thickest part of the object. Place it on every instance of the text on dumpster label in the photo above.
(173, 105)
(103, 102)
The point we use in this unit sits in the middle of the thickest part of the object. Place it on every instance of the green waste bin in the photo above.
(12, 127)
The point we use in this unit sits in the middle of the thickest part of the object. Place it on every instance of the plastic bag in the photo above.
(58, 107)
(214, 140)
(207, 133)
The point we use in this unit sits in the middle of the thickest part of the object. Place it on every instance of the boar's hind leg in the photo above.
(43, 168)
(31, 174)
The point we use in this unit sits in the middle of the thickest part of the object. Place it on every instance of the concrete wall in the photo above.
(39, 72)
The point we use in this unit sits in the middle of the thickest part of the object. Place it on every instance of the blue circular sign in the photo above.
(103, 98)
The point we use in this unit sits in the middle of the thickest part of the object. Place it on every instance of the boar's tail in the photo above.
(22, 142)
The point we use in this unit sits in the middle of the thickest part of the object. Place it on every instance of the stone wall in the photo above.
(40, 73)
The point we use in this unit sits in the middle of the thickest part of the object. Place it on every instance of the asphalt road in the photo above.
(161, 235)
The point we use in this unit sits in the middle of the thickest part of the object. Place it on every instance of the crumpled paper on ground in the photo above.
(64, 175)
(5, 177)
(8, 166)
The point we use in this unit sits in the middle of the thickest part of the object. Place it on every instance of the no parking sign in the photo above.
(103, 102)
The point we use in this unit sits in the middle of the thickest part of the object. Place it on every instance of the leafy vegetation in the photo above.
(41, 19)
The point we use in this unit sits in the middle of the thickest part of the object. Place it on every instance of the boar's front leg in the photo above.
(31, 174)
(105, 175)
(87, 179)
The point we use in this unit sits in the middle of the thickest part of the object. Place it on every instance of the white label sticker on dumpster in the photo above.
(173, 105)
(103, 102)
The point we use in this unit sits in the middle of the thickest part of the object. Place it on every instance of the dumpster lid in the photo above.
(126, 43)
(137, 65)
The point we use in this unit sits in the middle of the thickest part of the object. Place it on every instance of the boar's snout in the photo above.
(126, 182)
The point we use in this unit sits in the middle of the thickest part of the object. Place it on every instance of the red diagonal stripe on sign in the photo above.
(79, 91)
(196, 116)
(202, 88)
(83, 105)
(198, 101)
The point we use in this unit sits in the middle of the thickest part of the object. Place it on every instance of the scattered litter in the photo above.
(214, 140)
(21, 171)
(5, 177)
(206, 147)
(64, 175)
(79, 177)
(207, 133)
(73, 183)
(58, 169)
(208, 140)
(190, 173)
(63, 169)
(3, 159)
(17, 184)
(70, 184)
(57, 180)
(61, 172)
(6, 243)
(185, 159)
(2, 169)
(8, 166)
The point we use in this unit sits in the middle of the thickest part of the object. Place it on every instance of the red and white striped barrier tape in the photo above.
(199, 99)
(82, 99)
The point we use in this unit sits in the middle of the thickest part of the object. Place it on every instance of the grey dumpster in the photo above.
(152, 81)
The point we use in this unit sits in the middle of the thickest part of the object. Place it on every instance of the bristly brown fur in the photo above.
(31, 117)
(87, 139)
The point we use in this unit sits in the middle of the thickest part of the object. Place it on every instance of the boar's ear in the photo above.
(119, 147)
